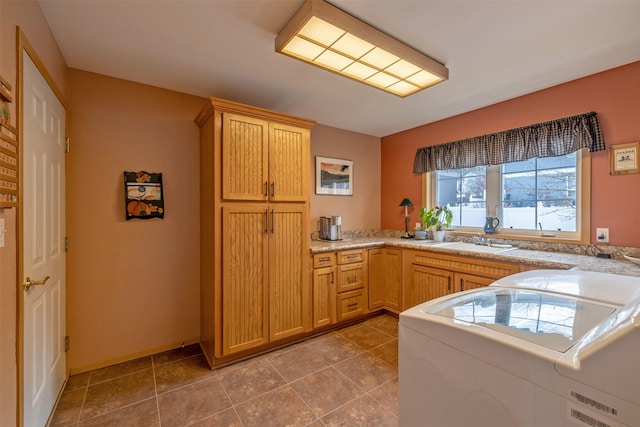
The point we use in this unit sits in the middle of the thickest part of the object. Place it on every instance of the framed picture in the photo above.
(623, 158)
(334, 176)
(143, 197)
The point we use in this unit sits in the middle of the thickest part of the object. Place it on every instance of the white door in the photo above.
(43, 245)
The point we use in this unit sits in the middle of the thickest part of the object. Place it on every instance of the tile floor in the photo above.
(347, 377)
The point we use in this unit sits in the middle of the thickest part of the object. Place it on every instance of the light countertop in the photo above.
(534, 258)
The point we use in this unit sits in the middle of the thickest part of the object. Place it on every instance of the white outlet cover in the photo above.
(602, 235)
(2, 231)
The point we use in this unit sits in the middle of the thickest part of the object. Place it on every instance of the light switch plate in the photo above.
(602, 235)
(2, 231)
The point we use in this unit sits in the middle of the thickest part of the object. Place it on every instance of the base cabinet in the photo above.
(428, 275)
(339, 286)
(425, 283)
(385, 279)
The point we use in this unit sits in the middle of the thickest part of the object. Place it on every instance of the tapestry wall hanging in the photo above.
(143, 195)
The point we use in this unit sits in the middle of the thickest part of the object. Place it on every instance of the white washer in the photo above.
(540, 348)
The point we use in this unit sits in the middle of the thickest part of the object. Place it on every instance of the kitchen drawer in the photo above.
(348, 257)
(351, 304)
(327, 259)
(350, 277)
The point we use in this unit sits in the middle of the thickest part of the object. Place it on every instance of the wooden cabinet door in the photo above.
(288, 163)
(425, 283)
(377, 279)
(393, 279)
(324, 296)
(289, 291)
(244, 158)
(464, 282)
(245, 299)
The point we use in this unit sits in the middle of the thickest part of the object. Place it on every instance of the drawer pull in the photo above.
(325, 259)
(351, 278)
(353, 256)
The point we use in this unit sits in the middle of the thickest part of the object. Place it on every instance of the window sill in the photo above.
(502, 234)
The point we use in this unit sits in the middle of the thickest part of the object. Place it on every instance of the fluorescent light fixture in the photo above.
(323, 35)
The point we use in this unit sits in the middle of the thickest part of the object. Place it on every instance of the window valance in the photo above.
(548, 139)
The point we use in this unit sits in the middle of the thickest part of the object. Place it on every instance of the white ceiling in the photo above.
(495, 50)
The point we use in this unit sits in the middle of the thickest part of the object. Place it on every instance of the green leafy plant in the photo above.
(438, 218)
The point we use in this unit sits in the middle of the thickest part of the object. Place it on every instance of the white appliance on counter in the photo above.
(540, 348)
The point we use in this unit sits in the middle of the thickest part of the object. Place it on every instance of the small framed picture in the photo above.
(334, 176)
(143, 197)
(623, 158)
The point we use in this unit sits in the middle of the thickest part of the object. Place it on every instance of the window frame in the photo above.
(583, 206)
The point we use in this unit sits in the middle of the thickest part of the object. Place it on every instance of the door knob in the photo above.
(28, 283)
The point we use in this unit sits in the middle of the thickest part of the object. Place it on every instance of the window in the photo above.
(523, 195)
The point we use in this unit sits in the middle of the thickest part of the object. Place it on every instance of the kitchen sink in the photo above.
(472, 247)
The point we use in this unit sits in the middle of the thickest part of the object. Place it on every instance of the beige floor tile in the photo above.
(299, 362)
(120, 369)
(326, 390)
(69, 407)
(227, 418)
(251, 381)
(77, 381)
(387, 352)
(346, 377)
(192, 403)
(114, 394)
(281, 407)
(387, 395)
(141, 414)
(367, 337)
(335, 348)
(387, 324)
(362, 412)
(367, 371)
(182, 372)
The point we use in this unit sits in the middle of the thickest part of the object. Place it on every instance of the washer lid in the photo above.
(547, 319)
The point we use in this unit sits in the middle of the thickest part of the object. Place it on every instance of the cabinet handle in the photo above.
(350, 278)
(332, 277)
(266, 221)
(349, 306)
(266, 188)
(325, 259)
(273, 220)
(353, 256)
(273, 188)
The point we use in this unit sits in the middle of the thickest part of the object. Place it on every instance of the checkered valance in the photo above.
(548, 139)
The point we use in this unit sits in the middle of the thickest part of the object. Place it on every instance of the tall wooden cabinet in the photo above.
(254, 171)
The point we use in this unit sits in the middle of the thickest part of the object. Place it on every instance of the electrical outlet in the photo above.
(602, 235)
(2, 231)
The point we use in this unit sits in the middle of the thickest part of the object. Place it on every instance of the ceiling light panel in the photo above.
(327, 37)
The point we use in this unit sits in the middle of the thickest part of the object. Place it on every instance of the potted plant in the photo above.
(436, 219)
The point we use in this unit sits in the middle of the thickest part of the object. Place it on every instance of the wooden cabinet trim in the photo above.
(463, 264)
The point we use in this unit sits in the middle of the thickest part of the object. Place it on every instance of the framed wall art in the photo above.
(623, 158)
(334, 176)
(143, 198)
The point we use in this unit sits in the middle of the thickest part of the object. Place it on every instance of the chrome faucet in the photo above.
(483, 240)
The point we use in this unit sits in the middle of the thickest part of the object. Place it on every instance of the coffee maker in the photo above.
(331, 227)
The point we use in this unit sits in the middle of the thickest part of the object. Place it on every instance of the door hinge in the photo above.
(66, 344)
(67, 145)
(67, 243)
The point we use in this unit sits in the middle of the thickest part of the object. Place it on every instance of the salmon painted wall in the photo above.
(28, 16)
(359, 211)
(133, 286)
(613, 94)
